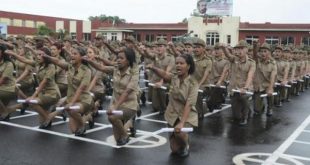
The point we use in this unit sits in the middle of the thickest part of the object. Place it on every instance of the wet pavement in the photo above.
(217, 141)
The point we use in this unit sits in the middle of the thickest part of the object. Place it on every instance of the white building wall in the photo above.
(229, 26)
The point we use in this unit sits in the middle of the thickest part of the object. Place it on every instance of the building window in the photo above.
(29, 24)
(11, 22)
(287, 40)
(113, 36)
(23, 23)
(137, 37)
(35, 24)
(159, 36)
(149, 37)
(105, 35)
(73, 35)
(174, 38)
(306, 41)
(251, 39)
(228, 39)
(272, 40)
(86, 36)
(213, 38)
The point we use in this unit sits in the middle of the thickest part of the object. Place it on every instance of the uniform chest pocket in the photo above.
(76, 80)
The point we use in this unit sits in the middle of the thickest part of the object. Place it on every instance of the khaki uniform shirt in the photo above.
(162, 63)
(103, 53)
(282, 65)
(263, 73)
(292, 69)
(50, 89)
(77, 77)
(180, 93)
(99, 86)
(202, 64)
(218, 66)
(239, 73)
(129, 80)
(298, 71)
(61, 75)
(21, 67)
(6, 70)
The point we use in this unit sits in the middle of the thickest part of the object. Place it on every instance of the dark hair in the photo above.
(47, 52)
(190, 61)
(60, 46)
(5, 57)
(130, 56)
(82, 51)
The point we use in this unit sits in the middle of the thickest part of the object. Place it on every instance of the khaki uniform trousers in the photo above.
(118, 122)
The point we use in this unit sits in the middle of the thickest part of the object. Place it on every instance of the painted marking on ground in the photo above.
(225, 107)
(289, 141)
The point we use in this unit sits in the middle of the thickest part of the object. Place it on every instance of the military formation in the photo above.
(184, 81)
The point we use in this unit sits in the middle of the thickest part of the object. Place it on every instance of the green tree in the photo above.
(45, 31)
(105, 18)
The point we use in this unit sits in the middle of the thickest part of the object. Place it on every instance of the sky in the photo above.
(161, 11)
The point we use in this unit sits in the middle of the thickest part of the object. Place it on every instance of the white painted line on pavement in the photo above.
(296, 157)
(96, 129)
(218, 110)
(148, 115)
(301, 142)
(288, 142)
(22, 116)
(71, 136)
(156, 121)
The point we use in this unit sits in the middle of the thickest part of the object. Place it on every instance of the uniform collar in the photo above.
(127, 72)
(219, 58)
(245, 60)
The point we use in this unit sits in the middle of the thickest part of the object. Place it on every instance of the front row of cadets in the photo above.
(192, 74)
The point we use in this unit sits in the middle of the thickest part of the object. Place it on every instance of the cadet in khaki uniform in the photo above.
(282, 68)
(7, 83)
(125, 88)
(291, 73)
(264, 79)
(103, 51)
(181, 111)
(96, 86)
(302, 55)
(47, 93)
(243, 69)
(61, 75)
(219, 73)
(24, 73)
(189, 47)
(79, 77)
(203, 66)
(298, 71)
(163, 61)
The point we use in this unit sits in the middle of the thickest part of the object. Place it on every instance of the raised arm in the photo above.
(110, 48)
(174, 50)
(102, 68)
(161, 73)
(64, 65)
(21, 58)
(11, 46)
(229, 56)
(106, 61)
